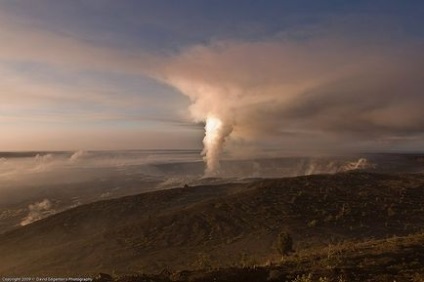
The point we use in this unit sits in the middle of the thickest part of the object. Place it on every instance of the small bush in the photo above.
(313, 223)
(284, 243)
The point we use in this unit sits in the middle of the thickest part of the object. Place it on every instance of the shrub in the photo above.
(284, 243)
(313, 223)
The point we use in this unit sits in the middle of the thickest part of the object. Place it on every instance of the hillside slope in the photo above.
(214, 226)
(392, 259)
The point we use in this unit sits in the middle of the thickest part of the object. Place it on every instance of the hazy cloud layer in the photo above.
(62, 92)
(23, 42)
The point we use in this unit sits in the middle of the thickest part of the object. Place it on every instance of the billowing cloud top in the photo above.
(329, 88)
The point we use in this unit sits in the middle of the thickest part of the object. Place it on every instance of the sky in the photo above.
(301, 76)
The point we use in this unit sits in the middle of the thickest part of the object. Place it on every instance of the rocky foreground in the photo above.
(353, 226)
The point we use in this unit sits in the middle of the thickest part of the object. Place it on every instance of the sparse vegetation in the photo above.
(343, 226)
(284, 243)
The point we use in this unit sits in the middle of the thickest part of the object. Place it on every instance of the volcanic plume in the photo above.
(298, 93)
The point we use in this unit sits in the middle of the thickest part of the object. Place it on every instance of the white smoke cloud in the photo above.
(312, 94)
(216, 131)
(361, 163)
(42, 163)
(78, 155)
(37, 211)
(329, 166)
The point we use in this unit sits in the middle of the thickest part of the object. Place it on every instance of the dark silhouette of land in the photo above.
(356, 226)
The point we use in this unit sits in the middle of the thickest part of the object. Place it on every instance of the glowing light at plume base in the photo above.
(213, 144)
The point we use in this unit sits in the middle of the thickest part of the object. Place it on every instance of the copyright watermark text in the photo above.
(46, 279)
